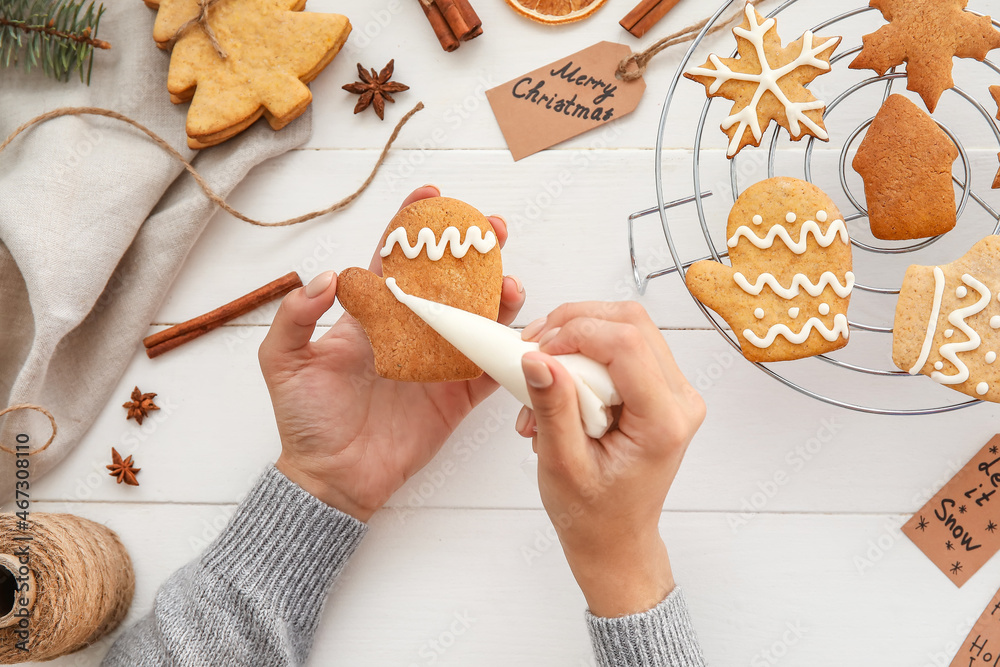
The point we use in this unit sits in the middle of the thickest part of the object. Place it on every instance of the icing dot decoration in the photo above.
(949, 333)
(759, 313)
(962, 292)
(995, 321)
(824, 308)
(991, 357)
(821, 216)
(757, 220)
(982, 388)
(793, 313)
(791, 217)
(938, 365)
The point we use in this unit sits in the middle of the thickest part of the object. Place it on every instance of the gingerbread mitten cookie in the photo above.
(787, 292)
(905, 161)
(438, 249)
(948, 322)
(767, 82)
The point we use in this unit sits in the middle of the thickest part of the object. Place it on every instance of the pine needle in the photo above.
(58, 36)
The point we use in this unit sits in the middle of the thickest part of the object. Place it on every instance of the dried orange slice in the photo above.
(553, 12)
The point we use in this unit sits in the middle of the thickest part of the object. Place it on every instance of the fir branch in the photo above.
(58, 35)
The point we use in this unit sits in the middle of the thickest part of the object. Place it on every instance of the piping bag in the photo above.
(498, 349)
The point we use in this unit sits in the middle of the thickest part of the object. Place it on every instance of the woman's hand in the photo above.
(605, 496)
(349, 437)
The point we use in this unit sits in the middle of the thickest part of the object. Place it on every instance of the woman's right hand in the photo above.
(605, 496)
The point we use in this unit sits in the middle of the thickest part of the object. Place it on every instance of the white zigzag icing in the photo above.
(451, 238)
(824, 239)
(767, 80)
(958, 319)
(799, 282)
(840, 328)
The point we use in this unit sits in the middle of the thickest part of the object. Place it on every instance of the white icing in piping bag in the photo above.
(498, 350)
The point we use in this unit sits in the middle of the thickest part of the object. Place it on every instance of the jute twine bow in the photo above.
(37, 408)
(201, 20)
(688, 34)
(83, 582)
(209, 192)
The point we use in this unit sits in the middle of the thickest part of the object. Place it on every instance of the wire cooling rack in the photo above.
(874, 294)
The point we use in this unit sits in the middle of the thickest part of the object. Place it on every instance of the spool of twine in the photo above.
(82, 580)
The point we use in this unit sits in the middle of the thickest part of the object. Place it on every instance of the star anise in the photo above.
(375, 89)
(123, 469)
(140, 405)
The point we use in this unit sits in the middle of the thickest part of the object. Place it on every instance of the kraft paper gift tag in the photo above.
(982, 647)
(564, 99)
(959, 529)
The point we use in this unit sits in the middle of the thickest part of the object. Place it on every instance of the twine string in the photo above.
(36, 408)
(641, 59)
(209, 192)
(201, 20)
(84, 584)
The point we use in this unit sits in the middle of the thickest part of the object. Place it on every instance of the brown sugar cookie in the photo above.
(905, 161)
(787, 292)
(995, 92)
(767, 82)
(926, 35)
(272, 48)
(948, 322)
(439, 249)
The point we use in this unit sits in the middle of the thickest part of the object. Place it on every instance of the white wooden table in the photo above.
(463, 569)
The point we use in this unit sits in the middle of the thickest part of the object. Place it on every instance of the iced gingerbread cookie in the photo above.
(995, 92)
(948, 322)
(767, 82)
(787, 292)
(439, 249)
(926, 35)
(905, 161)
(272, 50)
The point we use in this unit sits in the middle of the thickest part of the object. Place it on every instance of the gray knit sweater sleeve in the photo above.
(255, 596)
(660, 637)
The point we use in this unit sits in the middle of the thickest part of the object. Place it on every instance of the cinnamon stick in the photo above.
(646, 14)
(175, 336)
(454, 16)
(440, 26)
(472, 18)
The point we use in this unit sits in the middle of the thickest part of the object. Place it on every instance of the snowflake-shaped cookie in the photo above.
(767, 82)
(926, 35)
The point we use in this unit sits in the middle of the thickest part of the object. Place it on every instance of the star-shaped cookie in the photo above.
(926, 35)
(767, 82)
(273, 49)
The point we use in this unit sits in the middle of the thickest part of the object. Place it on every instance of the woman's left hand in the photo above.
(348, 436)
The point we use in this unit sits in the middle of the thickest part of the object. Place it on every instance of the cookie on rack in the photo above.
(787, 292)
(948, 322)
(766, 82)
(926, 35)
(270, 50)
(439, 249)
(995, 92)
(905, 161)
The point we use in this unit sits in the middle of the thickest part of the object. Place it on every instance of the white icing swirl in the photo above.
(841, 328)
(958, 317)
(825, 239)
(451, 239)
(799, 282)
